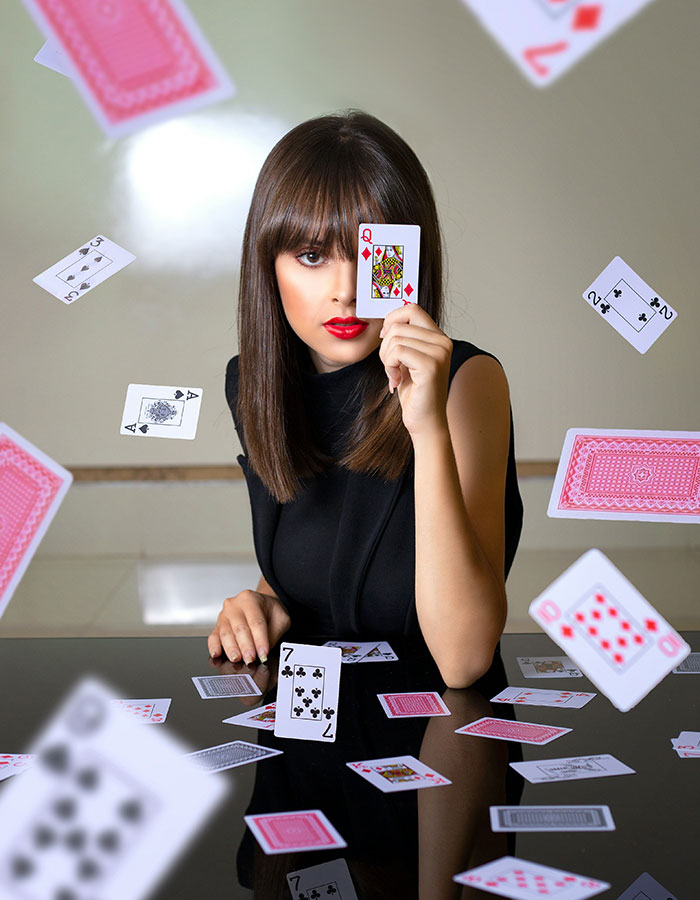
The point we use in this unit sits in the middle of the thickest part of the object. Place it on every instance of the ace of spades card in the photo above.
(165, 411)
(387, 268)
(307, 692)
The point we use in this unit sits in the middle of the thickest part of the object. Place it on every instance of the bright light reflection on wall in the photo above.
(187, 185)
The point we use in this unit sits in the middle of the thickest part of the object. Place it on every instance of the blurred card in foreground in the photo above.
(14, 763)
(134, 62)
(605, 625)
(520, 879)
(640, 476)
(108, 807)
(32, 487)
(53, 57)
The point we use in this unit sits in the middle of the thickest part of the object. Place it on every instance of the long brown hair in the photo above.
(319, 182)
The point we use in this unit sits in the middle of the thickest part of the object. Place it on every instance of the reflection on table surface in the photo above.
(407, 844)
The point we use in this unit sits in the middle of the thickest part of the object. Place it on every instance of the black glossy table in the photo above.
(393, 837)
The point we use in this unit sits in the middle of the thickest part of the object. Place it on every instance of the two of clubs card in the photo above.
(605, 625)
(387, 268)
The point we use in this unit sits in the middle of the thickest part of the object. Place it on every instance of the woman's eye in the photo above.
(310, 258)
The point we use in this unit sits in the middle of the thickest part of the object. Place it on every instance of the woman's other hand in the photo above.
(248, 626)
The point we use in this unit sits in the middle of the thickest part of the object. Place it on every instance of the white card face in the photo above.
(230, 755)
(146, 712)
(605, 625)
(551, 818)
(398, 773)
(380, 652)
(163, 411)
(262, 717)
(14, 763)
(364, 651)
(83, 269)
(327, 879)
(387, 268)
(571, 768)
(520, 879)
(544, 38)
(129, 793)
(213, 687)
(627, 303)
(646, 888)
(548, 667)
(307, 692)
(52, 56)
(536, 697)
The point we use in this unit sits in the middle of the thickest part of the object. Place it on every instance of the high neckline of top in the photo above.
(338, 375)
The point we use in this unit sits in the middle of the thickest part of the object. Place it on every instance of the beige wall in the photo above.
(538, 190)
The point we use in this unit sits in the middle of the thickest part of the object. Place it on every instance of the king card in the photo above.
(523, 880)
(325, 880)
(398, 773)
(551, 818)
(82, 270)
(107, 808)
(307, 692)
(32, 487)
(639, 476)
(548, 667)
(293, 832)
(539, 771)
(627, 303)
(507, 730)
(605, 625)
(135, 63)
(535, 697)
(262, 717)
(544, 38)
(387, 268)
(164, 411)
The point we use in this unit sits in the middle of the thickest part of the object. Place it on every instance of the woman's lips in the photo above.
(345, 328)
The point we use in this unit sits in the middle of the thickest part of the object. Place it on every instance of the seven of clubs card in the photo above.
(330, 879)
(605, 625)
(627, 303)
(155, 410)
(546, 37)
(387, 268)
(81, 271)
(307, 692)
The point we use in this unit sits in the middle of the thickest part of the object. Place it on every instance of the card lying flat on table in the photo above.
(689, 666)
(364, 651)
(571, 768)
(520, 879)
(507, 730)
(408, 705)
(551, 818)
(536, 697)
(627, 303)
(605, 625)
(387, 268)
(646, 888)
(307, 692)
(135, 63)
(327, 879)
(165, 411)
(14, 763)
(147, 712)
(638, 476)
(212, 687)
(82, 270)
(107, 808)
(548, 667)
(398, 773)
(227, 756)
(260, 717)
(32, 487)
(292, 832)
(687, 744)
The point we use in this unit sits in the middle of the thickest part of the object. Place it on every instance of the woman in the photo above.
(379, 458)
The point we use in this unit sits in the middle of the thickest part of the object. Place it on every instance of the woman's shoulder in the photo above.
(462, 351)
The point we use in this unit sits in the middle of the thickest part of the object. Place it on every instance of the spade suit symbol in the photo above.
(143, 429)
(84, 250)
(85, 285)
(178, 394)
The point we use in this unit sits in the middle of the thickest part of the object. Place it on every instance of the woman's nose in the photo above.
(345, 287)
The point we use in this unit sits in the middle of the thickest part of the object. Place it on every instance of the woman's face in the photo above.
(316, 290)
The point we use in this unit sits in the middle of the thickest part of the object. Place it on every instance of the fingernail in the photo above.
(262, 656)
(249, 659)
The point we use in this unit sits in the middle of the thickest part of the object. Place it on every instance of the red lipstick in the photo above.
(345, 328)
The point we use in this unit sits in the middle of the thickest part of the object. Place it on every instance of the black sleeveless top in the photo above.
(341, 557)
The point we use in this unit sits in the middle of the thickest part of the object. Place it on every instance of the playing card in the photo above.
(507, 730)
(544, 38)
(687, 744)
(520, 879)
(211, 687)
(398, 773)
(627, 303)
(54, 58)
(418, 703)
(307, 692)
(646, 888)
(260, 717)
(605, 625)
(380, 652)
(14, 763)
(107, 807)
(548, 667)
(32, 487)
(689, 666)
(551, 818)
(363, 651)
(165, 411)
(387, 268)
(135, 63)
(146, 712)
(82, 270)
(571, 768)
(328, 879)
(293, 832)
(536, 697)
(644, 476)
(228, 756)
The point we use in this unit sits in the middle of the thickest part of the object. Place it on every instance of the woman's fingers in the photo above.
(213, 643)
